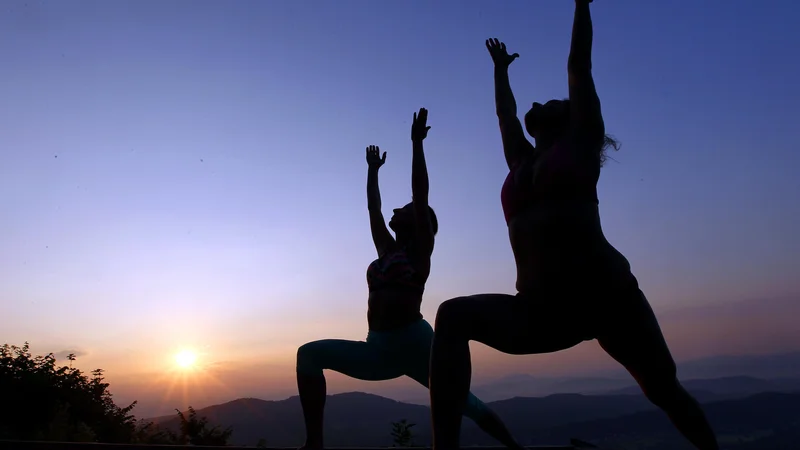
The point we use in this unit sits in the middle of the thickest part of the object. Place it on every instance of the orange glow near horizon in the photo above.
(186, 380)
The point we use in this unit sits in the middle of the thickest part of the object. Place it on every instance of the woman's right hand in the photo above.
(499, 53)
(374, 159)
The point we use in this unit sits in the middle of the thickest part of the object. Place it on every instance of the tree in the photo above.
(150, 433)
(194, 430)
(402, 435)
(42, 401)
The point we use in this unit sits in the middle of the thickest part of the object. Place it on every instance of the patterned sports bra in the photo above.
(393, 270)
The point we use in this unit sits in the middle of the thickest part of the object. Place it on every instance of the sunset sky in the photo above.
(190, 175)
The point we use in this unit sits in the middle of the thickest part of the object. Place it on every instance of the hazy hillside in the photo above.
(524, 385)
(769, 421)
(777, 371)
(357, 419)
(779, 365)
(728, 387)
(351, 419)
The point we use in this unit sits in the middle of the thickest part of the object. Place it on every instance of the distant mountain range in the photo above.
(728, 387)
(744, 410)
(772, 371)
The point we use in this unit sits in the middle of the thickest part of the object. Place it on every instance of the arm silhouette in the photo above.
(420, 184)
(514, 142)
(585, 112)
(383, 239)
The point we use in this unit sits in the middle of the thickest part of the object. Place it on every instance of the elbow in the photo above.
(579, 68)
(419, 190)
(419, 193)
(579, 62)
(505, 113)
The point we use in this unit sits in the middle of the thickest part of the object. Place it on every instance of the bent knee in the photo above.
(308, 359)
(452, 315)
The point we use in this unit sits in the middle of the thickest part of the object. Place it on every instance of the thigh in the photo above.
(414, 352)
(357, 359)
(513, 324)
(632, 336)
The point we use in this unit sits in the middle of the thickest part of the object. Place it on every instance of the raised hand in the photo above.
(499, 53)
(419, 128)
(374, 159)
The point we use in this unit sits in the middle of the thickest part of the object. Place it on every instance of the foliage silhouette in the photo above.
(195, 431)
(45, 402)
(150, 433)
(402, 435)
(42, 401)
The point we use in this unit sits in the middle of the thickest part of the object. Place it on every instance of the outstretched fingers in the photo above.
(374, 155)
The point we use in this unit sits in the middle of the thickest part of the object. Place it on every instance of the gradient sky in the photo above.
(191, 174)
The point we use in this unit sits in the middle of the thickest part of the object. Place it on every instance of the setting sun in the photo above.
(185, 359)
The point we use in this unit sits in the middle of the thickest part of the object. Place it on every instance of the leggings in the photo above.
(384, 356)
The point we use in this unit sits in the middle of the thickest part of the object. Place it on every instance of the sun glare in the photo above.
(185, 359)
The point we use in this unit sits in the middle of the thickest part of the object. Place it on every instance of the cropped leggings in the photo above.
(385, 355)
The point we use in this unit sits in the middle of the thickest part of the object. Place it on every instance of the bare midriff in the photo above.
(390, 309)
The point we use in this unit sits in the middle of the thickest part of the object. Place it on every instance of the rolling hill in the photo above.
(361, 420)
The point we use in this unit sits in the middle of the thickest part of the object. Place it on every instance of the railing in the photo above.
(42, 445)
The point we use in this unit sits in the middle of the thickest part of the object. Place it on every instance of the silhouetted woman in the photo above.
(399, 339)
(572, 284)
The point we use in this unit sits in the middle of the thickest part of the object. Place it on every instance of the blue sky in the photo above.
(182, 173)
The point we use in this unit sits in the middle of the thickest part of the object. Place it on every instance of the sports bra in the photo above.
(557, 176)
(393, 270)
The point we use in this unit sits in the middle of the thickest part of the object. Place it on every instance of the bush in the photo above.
(44, 402)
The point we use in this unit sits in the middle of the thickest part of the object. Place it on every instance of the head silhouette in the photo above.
(550, 121)
(402, 222)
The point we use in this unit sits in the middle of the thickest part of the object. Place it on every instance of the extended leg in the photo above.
(506, 323)
(355, 359)
(635, 340)
(490, 422)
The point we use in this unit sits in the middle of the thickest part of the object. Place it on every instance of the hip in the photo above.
(583, 270)
(419, 331)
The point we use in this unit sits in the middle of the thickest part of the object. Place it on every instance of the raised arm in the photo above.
(380, 234)
(419, 184)
(586, 116)
(514, 141)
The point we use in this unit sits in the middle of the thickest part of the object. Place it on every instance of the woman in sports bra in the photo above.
(572, 284)
(399, 339)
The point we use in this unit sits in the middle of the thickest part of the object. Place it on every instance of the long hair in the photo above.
(608, 142)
